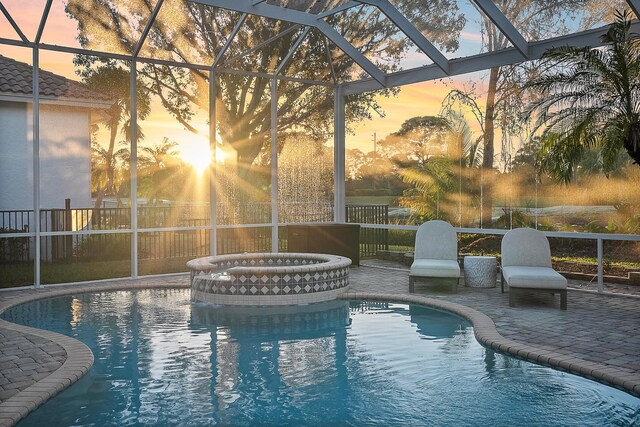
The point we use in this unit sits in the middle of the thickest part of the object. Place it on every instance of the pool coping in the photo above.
(80, 358)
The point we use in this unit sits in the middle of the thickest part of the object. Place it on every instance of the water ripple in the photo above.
(160, 360)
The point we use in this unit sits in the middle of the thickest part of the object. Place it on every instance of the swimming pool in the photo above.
(160, 360)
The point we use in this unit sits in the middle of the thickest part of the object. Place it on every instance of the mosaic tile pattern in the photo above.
(256, 278)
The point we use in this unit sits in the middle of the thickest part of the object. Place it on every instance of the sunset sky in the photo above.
(420, 99)
(415, 100)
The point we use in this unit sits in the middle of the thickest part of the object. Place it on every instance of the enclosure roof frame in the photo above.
(521, 51)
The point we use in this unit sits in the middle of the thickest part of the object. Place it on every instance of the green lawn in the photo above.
(163, 266)
(21, 274)
(16, 274)
(370, 200)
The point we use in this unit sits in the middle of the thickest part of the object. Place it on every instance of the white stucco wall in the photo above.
(65, 162)
(16, 169)
(65, 157)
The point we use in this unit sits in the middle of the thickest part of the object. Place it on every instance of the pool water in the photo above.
(161, 360)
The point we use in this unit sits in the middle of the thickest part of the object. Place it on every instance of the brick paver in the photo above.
(597, 336)
(26, 359)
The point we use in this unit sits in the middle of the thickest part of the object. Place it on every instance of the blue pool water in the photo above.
(160, 360)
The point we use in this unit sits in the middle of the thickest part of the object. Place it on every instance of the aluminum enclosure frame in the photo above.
(523, 50)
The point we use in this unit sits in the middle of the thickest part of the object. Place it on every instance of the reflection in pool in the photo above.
(162, 361)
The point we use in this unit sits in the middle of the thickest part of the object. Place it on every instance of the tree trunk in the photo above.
(110, 170)
(96, 213)
(487, 158)
(109, 163)
(632, 143)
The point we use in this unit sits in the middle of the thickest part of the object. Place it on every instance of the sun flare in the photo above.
(198, 155)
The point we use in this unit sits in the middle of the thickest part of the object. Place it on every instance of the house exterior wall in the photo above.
(65, 157)
(16, 164)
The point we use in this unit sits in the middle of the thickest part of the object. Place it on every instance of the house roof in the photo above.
(16, 78)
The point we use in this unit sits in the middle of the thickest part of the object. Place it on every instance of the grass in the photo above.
(163, 266)
(79, 272)
(514, 202)
(16, 274)
(401, 248)
(594, 261)
(370, 200)
(21, 274)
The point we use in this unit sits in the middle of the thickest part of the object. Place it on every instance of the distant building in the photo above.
(67, 110)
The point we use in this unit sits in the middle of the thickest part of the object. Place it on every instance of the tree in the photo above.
(433, 156)
(372, 173)
(431, 187)
(160, 166)
(418, 139)
(196, 32)
(503, 96)
(590, 99)
(108, 173)
(355, 160)
(110, 78)
(536, 20)
(474, 146)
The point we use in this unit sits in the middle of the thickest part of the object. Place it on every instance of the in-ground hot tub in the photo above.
(268, 278)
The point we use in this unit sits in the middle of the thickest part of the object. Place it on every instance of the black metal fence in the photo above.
(15, 249)
(371, 239)
(15, 221)
(305, 212)
(163, 244)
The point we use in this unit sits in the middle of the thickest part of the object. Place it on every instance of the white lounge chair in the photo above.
(526, 265)
(436, 255)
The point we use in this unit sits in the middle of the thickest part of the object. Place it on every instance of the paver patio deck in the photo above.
(598, 336)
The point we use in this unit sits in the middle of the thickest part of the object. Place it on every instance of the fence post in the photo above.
(68, 240)
(386, 231)
(600, 266)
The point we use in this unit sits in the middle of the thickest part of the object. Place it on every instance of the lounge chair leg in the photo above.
(563, 300)
(411, 284)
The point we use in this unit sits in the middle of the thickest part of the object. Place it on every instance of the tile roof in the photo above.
(17, 78)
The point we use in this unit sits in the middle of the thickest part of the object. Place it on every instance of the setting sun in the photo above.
(198, 155)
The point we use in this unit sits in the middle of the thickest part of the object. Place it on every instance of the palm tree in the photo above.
(441, 183)
(161, 155)
(103, 173)
(112, 80)
(433, 189)
(591, 100)
(159, 164)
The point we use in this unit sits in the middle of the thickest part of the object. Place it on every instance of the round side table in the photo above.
(480, 271)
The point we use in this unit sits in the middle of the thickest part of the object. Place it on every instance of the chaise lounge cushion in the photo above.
(533, 277)
(435, 268)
